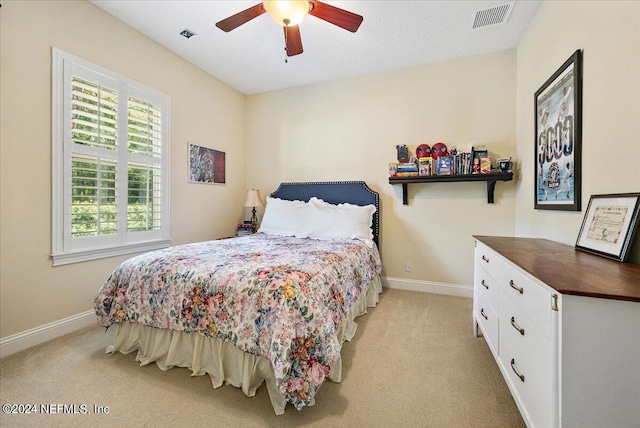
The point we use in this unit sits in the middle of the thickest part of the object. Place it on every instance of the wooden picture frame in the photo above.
(558, 138)
(206, 165)
(609, 225)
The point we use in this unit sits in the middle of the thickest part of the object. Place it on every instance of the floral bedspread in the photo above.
(279, 297)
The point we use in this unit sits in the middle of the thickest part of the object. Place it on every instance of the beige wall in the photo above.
(609, 34)
(203, 110)
(344, 130)
(348, 130)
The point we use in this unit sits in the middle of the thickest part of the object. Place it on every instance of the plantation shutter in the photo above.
(93, 197)
(93, 159)
(145, 186)
(110, 165)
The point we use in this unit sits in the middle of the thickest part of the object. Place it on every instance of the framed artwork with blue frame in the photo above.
(558, 138)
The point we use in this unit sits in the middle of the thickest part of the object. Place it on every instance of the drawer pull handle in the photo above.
(486, 259)
(515, 370)
(516, 326)
(484, 285)
(515, 287)
(483, 314)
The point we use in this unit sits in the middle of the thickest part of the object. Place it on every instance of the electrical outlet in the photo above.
(408, 266)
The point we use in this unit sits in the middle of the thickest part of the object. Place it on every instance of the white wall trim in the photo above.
(26, 339)
(428, 286)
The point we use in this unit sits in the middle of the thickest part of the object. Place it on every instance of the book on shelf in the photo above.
(404, 172)
(408, 163)
(407, 174)
(425, 166)
(404, 166)
(444, 165)
(245, 228)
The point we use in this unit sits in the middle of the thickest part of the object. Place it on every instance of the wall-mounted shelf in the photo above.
(491, 180)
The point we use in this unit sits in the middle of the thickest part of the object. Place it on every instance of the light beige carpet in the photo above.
(413, 363)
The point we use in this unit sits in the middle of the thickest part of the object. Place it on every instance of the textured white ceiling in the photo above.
(394, 34)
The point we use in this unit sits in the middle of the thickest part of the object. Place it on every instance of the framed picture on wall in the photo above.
(609, 225)
(558, 138)
(206, 165)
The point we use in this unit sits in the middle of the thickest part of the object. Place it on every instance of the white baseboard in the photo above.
(26, 339)
(428, 286)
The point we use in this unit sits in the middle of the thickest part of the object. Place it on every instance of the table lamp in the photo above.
(253, 200)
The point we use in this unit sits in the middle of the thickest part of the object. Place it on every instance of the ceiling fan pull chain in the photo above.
(286, 57)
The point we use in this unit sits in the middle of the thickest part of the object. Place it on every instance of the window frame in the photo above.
(65, 248)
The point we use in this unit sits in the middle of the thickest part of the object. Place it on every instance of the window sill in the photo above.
(60, 259)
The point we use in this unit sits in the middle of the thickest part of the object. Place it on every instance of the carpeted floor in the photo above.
(413, 363)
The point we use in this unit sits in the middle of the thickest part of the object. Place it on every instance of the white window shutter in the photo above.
(111, 171)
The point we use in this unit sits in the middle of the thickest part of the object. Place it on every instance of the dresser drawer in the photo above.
(486, 286)
(532, 298)
(527, 361)
(488, 321)
(491, 262)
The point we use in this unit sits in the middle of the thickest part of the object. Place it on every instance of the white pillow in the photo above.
(343, 221)
(284, 218)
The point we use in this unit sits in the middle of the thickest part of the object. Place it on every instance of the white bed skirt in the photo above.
(221, 360)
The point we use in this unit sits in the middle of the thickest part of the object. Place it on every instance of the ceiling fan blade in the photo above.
(336, 16)
(234, 21)
(293, 40)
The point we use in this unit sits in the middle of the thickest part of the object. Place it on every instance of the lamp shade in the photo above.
(287, 12)
(253, 199)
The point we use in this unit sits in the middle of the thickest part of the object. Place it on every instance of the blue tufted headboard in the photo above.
(334, 192)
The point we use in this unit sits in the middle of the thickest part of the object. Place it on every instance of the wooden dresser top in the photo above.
(567, 270)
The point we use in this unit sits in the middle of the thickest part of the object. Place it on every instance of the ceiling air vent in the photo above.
(492, 16)
(187, 33)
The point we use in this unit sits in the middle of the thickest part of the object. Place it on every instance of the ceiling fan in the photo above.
(289, 13)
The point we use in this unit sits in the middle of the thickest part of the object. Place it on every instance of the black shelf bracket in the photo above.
(405, 193)
(491, 180)
(491, 187)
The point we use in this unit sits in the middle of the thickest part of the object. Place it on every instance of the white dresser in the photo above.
(564, 328)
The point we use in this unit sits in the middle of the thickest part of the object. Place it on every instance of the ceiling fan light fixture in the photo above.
(287, 12)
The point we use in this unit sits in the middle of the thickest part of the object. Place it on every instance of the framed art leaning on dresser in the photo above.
(609, 225)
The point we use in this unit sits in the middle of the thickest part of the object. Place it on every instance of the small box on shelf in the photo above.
(485, 164)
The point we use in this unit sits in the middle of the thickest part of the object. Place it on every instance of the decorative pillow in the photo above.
(343, 221)
(284, 218)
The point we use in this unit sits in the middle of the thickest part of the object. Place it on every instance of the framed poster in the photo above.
(609, 225)
(206, 165)
(558, 138)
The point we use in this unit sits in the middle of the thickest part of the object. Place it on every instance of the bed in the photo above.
(274, 307)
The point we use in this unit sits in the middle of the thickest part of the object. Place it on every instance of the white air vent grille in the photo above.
(492, 16)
